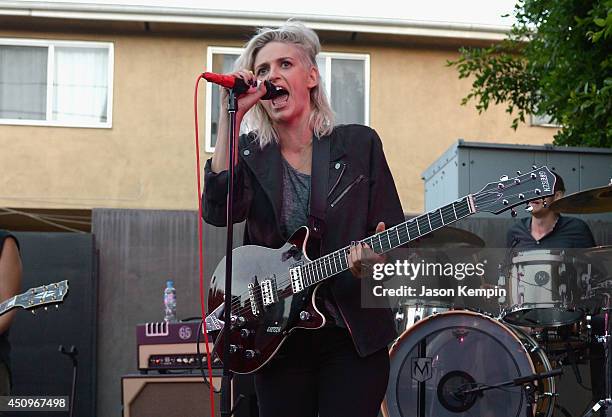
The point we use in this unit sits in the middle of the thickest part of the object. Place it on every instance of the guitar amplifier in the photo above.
(165, 346)
(183, 395)
(168, 395)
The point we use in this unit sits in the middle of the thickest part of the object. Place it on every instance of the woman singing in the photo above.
(342, 368)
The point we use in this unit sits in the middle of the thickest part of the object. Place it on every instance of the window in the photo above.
(56, 83)
(346, 78)
(544, 121)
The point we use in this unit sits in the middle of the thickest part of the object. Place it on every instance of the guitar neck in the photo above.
(336, 262)
(7, 305)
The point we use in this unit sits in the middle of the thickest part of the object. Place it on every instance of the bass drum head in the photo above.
(432, 362)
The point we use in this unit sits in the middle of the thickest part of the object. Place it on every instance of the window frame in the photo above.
(50, 44)
(328, 56)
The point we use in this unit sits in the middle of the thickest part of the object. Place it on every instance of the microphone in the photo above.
(239, 86)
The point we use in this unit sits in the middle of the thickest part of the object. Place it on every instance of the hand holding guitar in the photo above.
(362, 257)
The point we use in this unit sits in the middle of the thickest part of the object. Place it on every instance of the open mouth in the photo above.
(280, 96)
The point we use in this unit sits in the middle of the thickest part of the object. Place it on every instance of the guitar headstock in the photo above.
(502, 195)
(41, 296)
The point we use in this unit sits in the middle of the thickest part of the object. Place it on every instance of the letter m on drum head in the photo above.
(421, 369)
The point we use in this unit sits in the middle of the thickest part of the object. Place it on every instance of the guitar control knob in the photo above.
(240, 321)
(250, 353)
(245, 333)
(305, 315)
(235, 348)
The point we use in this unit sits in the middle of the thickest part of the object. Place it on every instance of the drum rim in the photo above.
(551, 306)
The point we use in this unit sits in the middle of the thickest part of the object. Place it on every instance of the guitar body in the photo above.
(259, 331)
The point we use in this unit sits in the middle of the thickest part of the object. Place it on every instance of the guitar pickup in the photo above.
(253, 298)
(297, 284)
(269, 292)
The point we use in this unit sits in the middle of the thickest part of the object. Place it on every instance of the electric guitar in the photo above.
(269, 286)
(37, 297)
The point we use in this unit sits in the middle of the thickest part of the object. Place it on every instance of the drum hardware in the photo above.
(529, 389)
(605, 404)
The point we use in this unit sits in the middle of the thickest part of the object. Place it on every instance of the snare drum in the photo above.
(542, 290)
(441, 356)
(409, 315)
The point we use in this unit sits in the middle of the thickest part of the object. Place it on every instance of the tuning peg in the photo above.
(500, 186)
(521, 196)
(33, 312)
(46, 308)
(505, 202)
(538, 191)
(513, 213)
(503, 178)
(533, 176)
(517, 181)
(518, 172)
(57, 306)
(534, 167)
(544, 204)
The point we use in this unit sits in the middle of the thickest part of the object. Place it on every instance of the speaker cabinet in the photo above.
(168, 395)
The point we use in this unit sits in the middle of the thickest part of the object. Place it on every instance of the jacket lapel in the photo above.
(266, 164)
(337, 165)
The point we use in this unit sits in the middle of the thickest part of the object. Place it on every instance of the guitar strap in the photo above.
(319, 181)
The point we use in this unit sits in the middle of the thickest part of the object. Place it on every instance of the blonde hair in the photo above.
(321, 116)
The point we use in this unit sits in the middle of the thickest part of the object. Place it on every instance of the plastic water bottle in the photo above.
(170, 302)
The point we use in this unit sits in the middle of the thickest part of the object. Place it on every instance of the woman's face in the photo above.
(285, 66)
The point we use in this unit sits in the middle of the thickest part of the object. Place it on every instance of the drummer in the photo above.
(547, 229)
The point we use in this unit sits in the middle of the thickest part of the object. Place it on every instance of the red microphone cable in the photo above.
(200, 248)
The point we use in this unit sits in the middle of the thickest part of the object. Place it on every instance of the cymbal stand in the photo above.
(604, 406)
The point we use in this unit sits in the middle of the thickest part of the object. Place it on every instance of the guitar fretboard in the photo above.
(336, 262)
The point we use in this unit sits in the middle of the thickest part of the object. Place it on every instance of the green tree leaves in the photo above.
(557, 61)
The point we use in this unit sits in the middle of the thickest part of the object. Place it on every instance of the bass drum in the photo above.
(441, 356)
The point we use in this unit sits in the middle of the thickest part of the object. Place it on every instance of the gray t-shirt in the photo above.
(296, 199)
(294, 214)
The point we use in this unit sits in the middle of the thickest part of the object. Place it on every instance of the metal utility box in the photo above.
(467, 166)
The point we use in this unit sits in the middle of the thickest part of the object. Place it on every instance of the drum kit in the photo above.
(451, 362)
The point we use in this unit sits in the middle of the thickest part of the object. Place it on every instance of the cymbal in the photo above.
(449, 237)
(599, 252)
(595, 200)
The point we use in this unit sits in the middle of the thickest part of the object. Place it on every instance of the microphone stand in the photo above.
(525, 381)
(226, 396)
(72, 354)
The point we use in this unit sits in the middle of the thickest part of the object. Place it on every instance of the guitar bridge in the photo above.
(253, 299)
(269, 293)
(297, 284)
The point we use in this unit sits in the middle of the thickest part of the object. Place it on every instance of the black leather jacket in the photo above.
(361, 193)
